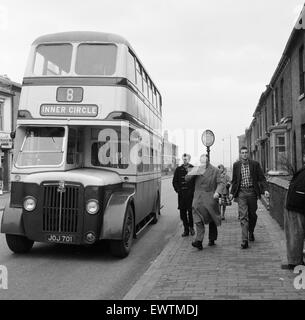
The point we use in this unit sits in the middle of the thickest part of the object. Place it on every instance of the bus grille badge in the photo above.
(61, 188)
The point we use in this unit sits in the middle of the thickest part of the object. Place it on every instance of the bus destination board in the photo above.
(69, 110)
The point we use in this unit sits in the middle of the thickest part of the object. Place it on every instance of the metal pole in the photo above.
(230, 154)
(223, 151)
(208, 154)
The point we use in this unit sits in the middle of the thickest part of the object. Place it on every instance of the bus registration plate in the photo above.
(60, 238)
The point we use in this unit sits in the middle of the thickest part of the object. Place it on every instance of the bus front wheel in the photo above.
(121, 248)
(19, 244)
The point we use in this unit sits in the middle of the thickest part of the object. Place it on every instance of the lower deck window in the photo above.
(107, 158)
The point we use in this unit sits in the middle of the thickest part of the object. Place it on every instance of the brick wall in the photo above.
(298, 106)
(277, 189)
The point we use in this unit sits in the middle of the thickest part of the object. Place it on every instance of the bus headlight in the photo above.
(29, 203)
(92, 206)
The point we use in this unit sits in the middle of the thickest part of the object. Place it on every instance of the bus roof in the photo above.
(79, 36)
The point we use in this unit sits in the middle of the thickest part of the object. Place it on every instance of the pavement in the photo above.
(224, 271)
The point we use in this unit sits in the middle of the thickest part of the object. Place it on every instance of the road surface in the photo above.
(66, 272)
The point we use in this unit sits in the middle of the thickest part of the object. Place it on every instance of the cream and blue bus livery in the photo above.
(87, 146)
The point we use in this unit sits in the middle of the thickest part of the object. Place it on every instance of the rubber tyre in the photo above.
(121, 248)
(19, 244)
(157, 212)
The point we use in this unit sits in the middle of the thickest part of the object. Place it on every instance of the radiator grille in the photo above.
(60, 209)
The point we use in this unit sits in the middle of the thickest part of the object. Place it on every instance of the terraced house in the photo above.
(276, 135)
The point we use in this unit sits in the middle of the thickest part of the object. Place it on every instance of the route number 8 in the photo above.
(70, 94)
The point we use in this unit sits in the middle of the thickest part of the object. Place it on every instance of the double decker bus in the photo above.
(87, 146)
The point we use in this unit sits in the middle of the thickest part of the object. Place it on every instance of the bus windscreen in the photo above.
(42, 147)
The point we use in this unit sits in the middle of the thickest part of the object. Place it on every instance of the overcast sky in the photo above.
(210, 59)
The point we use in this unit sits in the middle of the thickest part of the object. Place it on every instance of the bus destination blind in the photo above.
(69, 110)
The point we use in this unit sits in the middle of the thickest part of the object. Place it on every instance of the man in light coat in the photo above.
(208, 185)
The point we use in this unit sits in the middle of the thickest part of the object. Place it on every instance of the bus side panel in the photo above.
(114, 214)
(139, 202)
(154, 188)
(159, 187)
(145, 199)
(12, 222)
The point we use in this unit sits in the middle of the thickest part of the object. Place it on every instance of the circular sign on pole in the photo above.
(208, 138)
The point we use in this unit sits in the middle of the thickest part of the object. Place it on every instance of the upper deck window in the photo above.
(52, 59)
(96, 59)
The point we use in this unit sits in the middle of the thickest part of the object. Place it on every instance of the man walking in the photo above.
(185, 192)
(294, 220)
(208, 185)
(248, 182)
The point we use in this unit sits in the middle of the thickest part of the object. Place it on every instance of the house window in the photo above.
(258, 127)
(273, 108)
(266, 119)
(276, 106)
(267, 156)
(282, 99)
(1, 116)
(261, 125)
(280, 152)
(301, 69)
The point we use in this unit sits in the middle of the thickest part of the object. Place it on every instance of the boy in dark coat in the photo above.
(185, 192)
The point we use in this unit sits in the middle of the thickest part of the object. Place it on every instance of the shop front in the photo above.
(6, 146)
(9, 101)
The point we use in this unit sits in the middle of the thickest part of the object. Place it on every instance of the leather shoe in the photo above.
(197, 244)
(185, 234)
(251, 236)
(288, 266)
(211, 243)
(192, 231)
(244, 245)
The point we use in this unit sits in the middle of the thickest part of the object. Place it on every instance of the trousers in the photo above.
(186, 216)
(200, 230)
(294, 225)
(247, 206)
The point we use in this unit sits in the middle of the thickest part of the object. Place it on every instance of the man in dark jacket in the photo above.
(185, 192)
(294, 220)
(248, 182)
